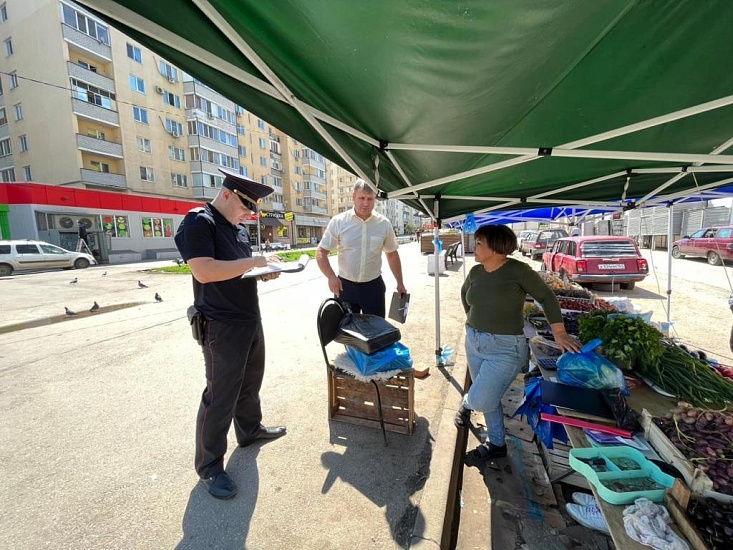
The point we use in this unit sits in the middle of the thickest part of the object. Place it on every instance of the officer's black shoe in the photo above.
(221, 486)
(265, 433)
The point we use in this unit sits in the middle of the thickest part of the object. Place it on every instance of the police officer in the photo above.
(217, 249)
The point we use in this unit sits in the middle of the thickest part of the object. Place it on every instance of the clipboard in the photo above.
(283, 267)
(399, 306)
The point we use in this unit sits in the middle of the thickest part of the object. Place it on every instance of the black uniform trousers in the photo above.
(364, 297)
(234, 354)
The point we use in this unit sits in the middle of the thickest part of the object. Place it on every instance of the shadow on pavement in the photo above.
(221, 524)
(362, 465)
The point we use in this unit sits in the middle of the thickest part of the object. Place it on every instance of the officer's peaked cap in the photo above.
(249, 192)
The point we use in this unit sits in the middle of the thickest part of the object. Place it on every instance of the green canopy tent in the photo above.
(473, 106)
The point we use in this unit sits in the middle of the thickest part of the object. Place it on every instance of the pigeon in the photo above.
(76, 280)
(158, 298)
(69, 312)
(141, 284)
(180, 262)
(95, 307)
(104, 274)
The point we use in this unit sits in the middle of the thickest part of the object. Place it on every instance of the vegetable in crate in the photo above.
(627, 341)
(713, 521)
(706, 439)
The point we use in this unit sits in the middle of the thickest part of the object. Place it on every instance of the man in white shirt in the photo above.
(360, 235)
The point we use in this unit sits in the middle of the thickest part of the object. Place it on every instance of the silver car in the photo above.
(27, 255)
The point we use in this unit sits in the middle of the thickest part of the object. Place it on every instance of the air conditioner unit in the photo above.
(171, 78)
(174, 133)
(159, 89)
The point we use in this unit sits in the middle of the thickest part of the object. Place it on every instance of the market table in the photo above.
(639, 399)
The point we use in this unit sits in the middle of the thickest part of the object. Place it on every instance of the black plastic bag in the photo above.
(367, 333)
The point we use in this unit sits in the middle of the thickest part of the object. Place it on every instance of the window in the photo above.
(179, 180)
(83, 24)
(242, 150)
(5, 147)
(27, 176)
(7, 175)
(26, 249)
(92, 94)
(140, 114)
(8, 47)
(97, 134)
(260, 124)
(176, 153)
(99, 166)
(263, 143)
(243, 170)
(116, 226)
(157, 227)
(297, 170)
(263, 179)
(134, 53)
(18, 108)
(87, 66)
(724, 233)
(13, 80)
(143, 144)
(23, 143)
(168, 71)
(147, 174)
(137, 84)
(3, 13)
(263, 161)
(172, 99)
(240, 129)
(173, 127)
(3, 117)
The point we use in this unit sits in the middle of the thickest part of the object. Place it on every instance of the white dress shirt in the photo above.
(360, 244)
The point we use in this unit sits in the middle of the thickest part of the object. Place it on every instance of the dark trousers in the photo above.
(364, 297)
(235, 364)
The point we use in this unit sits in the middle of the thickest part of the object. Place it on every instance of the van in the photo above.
(27, 255)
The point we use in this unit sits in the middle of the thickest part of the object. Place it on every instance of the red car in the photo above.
(713, 243)
(597, 259)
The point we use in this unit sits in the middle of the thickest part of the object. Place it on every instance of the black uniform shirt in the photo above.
(197, 237)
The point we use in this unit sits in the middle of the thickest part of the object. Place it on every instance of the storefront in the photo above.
(310, 229)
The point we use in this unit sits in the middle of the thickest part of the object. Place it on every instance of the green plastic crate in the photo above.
(608, 459)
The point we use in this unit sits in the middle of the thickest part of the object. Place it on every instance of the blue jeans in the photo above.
(494, 361)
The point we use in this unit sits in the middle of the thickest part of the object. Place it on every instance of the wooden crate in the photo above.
(697, 480)
(557, 464)
(355, 402)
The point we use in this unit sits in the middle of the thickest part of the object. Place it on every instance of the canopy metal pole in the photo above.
(436, 274)
(670, 236)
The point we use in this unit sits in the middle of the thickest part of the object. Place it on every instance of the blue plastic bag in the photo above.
(394, 357)
(587, 369)
(532, 407)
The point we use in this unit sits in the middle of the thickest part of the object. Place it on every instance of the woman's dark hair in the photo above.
(498, 238)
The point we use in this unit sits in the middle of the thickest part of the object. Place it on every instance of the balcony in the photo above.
(90, 77)
(278, 206)
(103, 179)
(89, 44)
(315, 210)
(99, 146)
(309, 193)
(95, 112)
(6, 162)
(204, 193)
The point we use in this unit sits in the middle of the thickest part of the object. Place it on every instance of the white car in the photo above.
(27, 255)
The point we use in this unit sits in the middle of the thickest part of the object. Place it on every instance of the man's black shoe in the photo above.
(221, 486)
(487, 452)
(265, 433)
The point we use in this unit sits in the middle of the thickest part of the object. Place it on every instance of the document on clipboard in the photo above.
(282, 267)
(399, 307)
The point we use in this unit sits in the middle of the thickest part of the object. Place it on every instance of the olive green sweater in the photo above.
(493, 301)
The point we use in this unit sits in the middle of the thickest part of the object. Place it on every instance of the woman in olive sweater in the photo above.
(493, 297)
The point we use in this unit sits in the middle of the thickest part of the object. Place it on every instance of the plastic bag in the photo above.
(394, 357)
(532, 407)
(587, 369)
(368, 333)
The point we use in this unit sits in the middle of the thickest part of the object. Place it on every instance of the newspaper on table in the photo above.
(281, 267)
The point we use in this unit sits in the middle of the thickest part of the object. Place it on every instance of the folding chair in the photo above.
(352, 400)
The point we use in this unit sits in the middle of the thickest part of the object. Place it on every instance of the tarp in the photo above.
(485, 105)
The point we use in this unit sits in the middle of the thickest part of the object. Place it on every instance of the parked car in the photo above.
(713, 243)
(539, 241)
(25, 255)
(597, 259)
(521, 236)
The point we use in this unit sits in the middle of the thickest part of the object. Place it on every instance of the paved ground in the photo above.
(98, 421)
